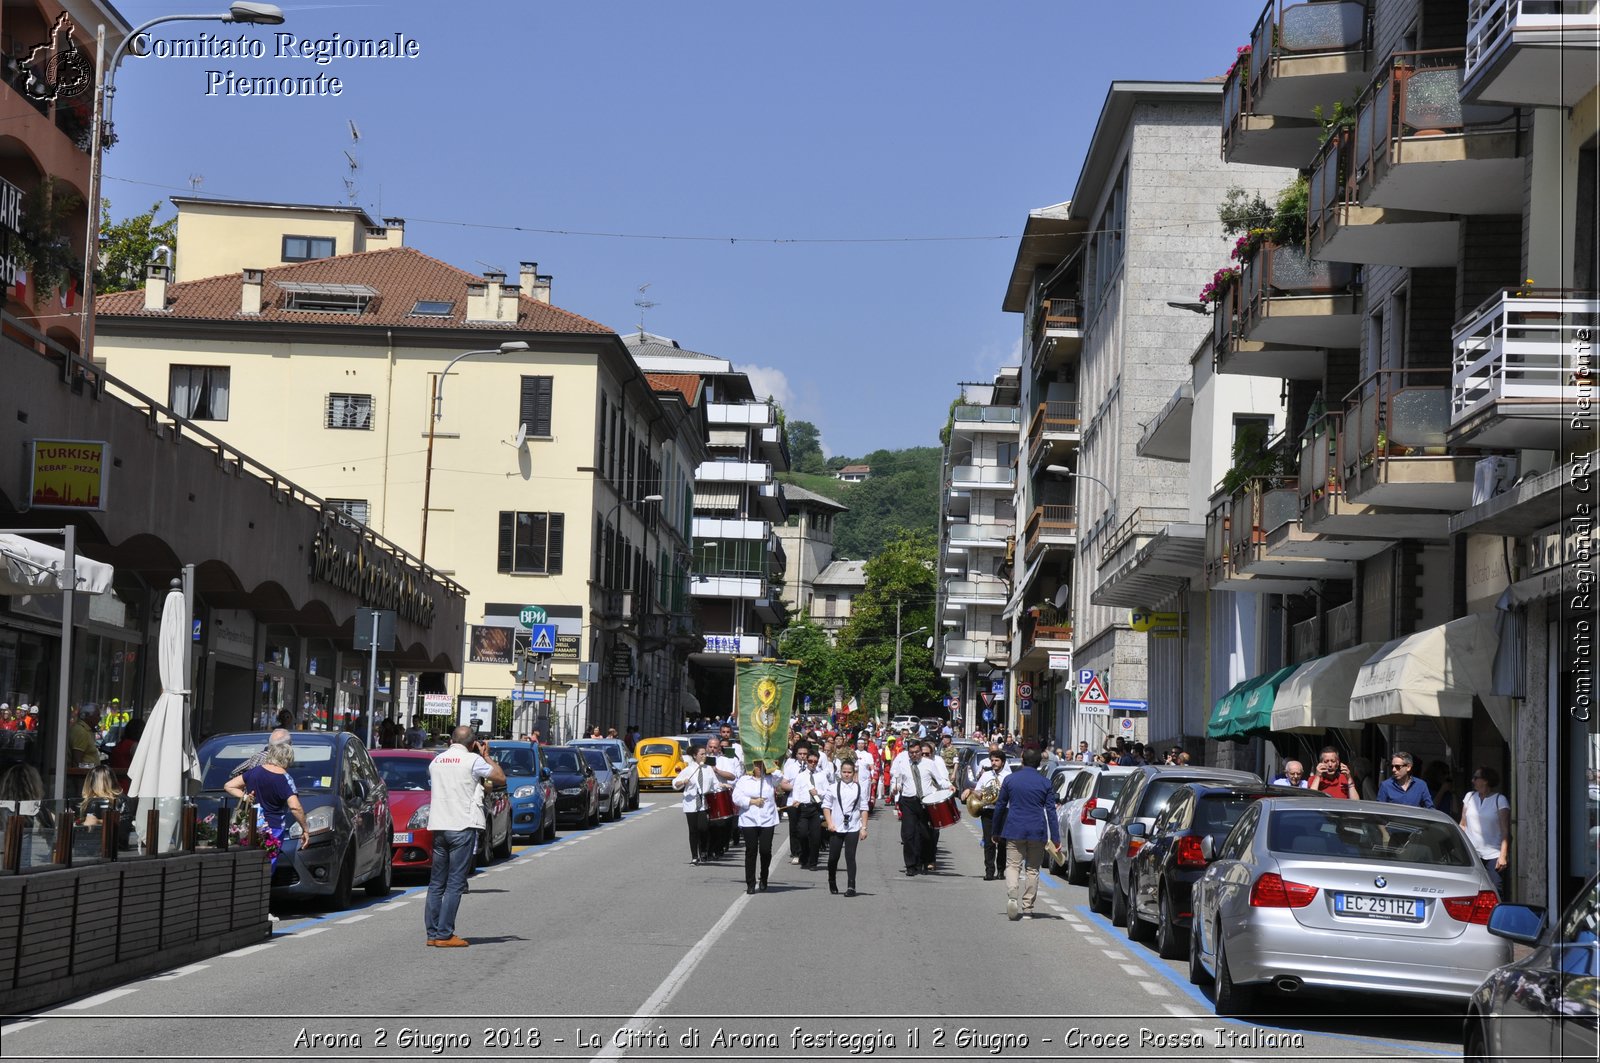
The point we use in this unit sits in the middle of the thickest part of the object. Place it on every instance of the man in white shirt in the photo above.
(455, 816)
(866, 767)
(994, 772)
(910, 780)
(844, 808)
(808, 785)
(792, 764)
(727, 768)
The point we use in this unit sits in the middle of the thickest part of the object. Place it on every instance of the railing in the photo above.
(1217, 539)
(1224, 320)
(992, 531)
(974, 649)
(1260, 507)
(43, 833)
(1049, 633)
(986, 415)
(1331, 183)
(1305, 640)
(1320, 467)
(1058, 314)
(1145, 520)
(757, 472)
(1055, 416)
(988, 590)
(1286, 31)
(1490, 23)
(984, 475)
(756, 414)
(1396, 413)
(1522, 345)
(1053, 520)
(1271, 270)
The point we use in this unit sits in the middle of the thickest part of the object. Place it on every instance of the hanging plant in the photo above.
(47, 214)
(1219, 284)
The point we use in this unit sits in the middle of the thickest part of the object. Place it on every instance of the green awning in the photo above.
(1247, 709)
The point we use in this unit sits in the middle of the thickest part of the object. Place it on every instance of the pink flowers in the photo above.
(1240, 56)
(1220, 282)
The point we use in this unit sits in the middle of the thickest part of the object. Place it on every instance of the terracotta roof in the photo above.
(400, 275)
(856, 468)
(686, 384)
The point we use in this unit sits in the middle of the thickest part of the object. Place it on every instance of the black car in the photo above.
(1170, 862)
(1547, 1004)
(346, 805)
(577, 789)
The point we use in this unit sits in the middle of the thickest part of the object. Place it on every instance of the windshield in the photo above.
(1366, 836)
(658, 749)
(514, 760)
(1108, 786)
(404, 773)
(597, 759)
(313, 767)
(564, 760)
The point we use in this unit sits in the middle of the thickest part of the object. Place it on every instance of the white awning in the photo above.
(31, 567)
(1317, 696)
(1433, 673)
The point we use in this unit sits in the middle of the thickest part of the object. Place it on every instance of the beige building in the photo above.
(217, 236)
(807, 537)
(834, 594)
(552, 476)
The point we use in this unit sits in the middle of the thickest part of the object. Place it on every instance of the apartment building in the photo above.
(512, 445)
(836, 588)
(739, 561)
(1420, 542)
(807, 537)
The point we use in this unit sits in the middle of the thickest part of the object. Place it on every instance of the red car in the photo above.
(405, 771)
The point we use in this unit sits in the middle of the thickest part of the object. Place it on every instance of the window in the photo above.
(305, 248)
(199, 392)
(355, 508)
(534, 410)
(433, 308)
(531, 543)
(349, 411)
(830, 605)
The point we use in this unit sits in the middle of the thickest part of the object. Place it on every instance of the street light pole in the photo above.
(436, 411)
(899, 640)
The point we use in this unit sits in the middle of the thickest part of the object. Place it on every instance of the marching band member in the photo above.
(910, 781)
(727, 769)
(809, 782)
(756, 797)
(844, 807)
(792, 764)
(696, 780)
(994, 772)
(866, 766)
(941, 779)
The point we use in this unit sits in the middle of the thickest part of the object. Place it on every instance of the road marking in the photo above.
(1113, 953)
(179, 973)
(391, 906)
(353, 919)
(98, 999)
(18, 1027)
(1155, 989)
(253, 948)
(1080, 928)
(1133, 969)
(1181, 1011)
(307, 932)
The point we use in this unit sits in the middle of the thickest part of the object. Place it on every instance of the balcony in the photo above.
(983, 477)
(1537, 53)
(1053, 431)
(1057, 333)
(1395, 451)
(974, 651)
(1262, 507)
(748, 414)
(960, 593)
(1288, 298)
(727, 585)
(1344, 529)
(734, 472)
(1050, 527)
(719, 528)
(1233, 354)
(1167, 435)
(1037, 639)
(736, 645)
(1415, 153)
(1518, 358)
(985, 419)
(991, 535)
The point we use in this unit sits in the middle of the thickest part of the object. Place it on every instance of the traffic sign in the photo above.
(1094, 694)
(530, 615)
(1130, 705)
(947, 702)
(542, 638)
(529, 695)
(1085, 676)
(998, 688)
(987, 697)
(988, 715)
(1025, 691)
(1025, 706)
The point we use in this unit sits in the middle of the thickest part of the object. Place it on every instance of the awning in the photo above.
(31, 567)
(1247, 709)
(1433, 673)
(1317, 696)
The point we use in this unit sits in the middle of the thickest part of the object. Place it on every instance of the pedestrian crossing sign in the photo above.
(542, 638)
(1094, 694)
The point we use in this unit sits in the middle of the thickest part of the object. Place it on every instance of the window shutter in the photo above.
(534, 549)
(508, 541)
(558, 543)
(543, 391)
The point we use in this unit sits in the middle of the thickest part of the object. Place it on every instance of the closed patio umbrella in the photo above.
(165, 758)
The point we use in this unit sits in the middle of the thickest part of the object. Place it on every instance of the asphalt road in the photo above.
(608, 944)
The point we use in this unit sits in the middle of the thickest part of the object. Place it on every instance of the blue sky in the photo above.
(788, 140)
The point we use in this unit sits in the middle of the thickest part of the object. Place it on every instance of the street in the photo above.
(609, 944)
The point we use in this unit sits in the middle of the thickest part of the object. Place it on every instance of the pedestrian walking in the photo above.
(455, 816)
(273, 789)
(1486, 819)
(1404, 788)
(756, 797)
(844, 811)
(910, 780)
(1025, 816)
(696, 780)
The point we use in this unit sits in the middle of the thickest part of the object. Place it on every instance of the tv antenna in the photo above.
(351, 188)
(643, 304)
(195, 181)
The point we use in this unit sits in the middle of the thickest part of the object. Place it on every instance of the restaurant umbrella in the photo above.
(165, 757)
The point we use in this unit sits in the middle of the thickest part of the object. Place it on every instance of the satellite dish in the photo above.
(930, 642)
(522, 436)
(1062, 594)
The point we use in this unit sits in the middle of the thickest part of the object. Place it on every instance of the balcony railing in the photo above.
(1058, 315)
(974, 650)
(1051, 633)
(1144, 520)
(1217, 540)
(746, 472)
(1320, 467)
(1055, 522)
(984, 476)
(993, 533)
(1527, 346)
(1396, 413)
(1262, 506)
(755, 414)
(996, 415)
(1055, 417)
(1286, 32)
(1497, 29)
(1271, 271)
(982, 591)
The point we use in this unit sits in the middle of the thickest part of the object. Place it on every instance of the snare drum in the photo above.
(719, 805)
(942, 811)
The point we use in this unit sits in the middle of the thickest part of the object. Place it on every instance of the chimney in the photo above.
(397, 231)
(250, 292)
(478, 301)
(156, 279)
(541, 287)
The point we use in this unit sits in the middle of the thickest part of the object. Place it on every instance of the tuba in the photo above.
(980, 800)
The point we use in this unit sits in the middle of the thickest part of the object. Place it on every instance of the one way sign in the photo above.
(542, 638)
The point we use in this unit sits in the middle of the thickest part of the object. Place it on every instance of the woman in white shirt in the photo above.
(696, 780)
(1486, 818)
(844, 810)
(755, 796)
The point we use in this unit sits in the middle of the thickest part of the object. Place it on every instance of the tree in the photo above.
(903, 574)
(805, 448)
(125, 247)
(805, 641)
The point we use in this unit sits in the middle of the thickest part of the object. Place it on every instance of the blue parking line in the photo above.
(1168, 970)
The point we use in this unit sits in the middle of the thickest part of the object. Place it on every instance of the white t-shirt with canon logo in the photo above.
(457, 802)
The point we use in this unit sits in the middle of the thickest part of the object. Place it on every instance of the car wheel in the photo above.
(1169, 936)
(1231, 999)
(1077, 874)
(1475, 1049)
(1097, 900)
(481, 856)
(1119, 903)
(618, 807)
(344, 887)
(594, 816)
(379, 885)
(1138, 929)
(1197, 970)
(549, 824)
(633, 806)
(505, 845)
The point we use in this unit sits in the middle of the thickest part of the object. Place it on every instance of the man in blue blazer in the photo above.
(1025, 816)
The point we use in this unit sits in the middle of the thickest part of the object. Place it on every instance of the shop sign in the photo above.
(566, 648)
(491, 645)
(233, 631)
(375, 577)
(1560, 544)
(436, 704)
(69, 474)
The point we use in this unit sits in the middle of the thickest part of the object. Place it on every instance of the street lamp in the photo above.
(897, 641)
(242, 11)
(1062, 470)
(436, 405)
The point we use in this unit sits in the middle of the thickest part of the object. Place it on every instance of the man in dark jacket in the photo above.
(1025, 816)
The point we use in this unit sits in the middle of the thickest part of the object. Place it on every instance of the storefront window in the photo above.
(105, 671)
(24, 681)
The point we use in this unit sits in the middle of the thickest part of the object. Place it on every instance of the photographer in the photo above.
(455, 816)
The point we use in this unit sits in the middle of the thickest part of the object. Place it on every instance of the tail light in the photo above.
(1134, 845)
(1272, 890)
(1187, 852)
(1474, 910)
(1088, 806)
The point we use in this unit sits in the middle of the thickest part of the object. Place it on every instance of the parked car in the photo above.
(1347, 895)
(1143, 797)
(346, 805)
(1061, 777)
(1170, 862)
(904, 723)
(405, 771)
(622, 762)
(613, 799)
(970, 762)
(658, 761)
(577, 790)
(1095, 787)
(533, 795)
(1545, 1005)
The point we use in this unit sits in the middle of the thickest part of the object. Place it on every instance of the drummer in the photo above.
(945, 790)
(910, 781)
(994, 772)
(727, 770)
(697, 780)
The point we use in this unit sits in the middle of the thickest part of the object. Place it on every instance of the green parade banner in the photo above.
(764, 694)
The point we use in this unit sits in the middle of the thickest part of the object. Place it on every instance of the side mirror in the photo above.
(1135, 830)
(1208, 848)
(1521, 923)
(544, 774)
(1102, 814)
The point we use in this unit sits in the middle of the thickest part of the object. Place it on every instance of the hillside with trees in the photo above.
(902, 494)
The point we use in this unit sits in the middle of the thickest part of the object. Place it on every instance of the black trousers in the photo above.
(699, 834)
(847, 842)
(994, 849)
(805, 833)
(914, 831)
(720, 834)
(756, 838)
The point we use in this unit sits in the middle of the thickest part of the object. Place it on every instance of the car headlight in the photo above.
(317, 819)
(572, 792)
(419, 819)
(524, 792)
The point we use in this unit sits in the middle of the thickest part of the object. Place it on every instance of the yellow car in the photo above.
(660, 760)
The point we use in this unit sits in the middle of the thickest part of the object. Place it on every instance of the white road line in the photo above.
(353, 919)
(1181, 1011)
(1080, 928)
(98, 999)
(18, 1027)
(1155, 990)
(1134, 969)
(247, 951)
(179, 973)
(1113, 953)
(680, 974)
(307, 932)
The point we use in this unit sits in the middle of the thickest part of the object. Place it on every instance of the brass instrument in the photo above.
(978, 801)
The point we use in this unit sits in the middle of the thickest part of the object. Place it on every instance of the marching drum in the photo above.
(943, 811)
(719, 805)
